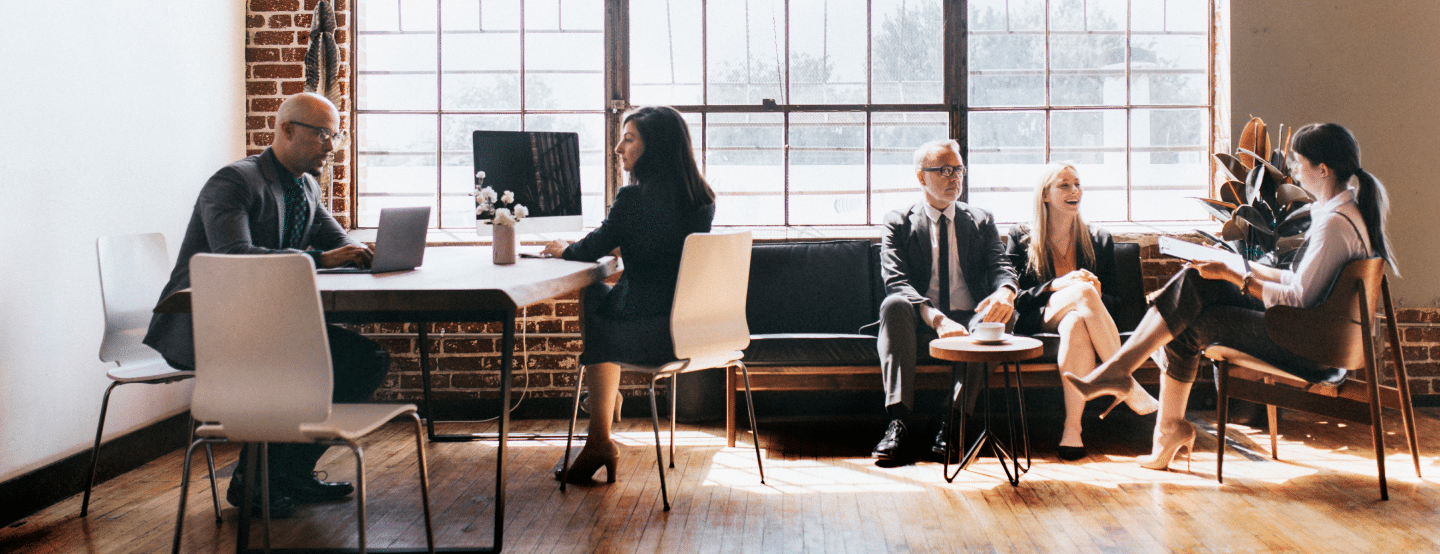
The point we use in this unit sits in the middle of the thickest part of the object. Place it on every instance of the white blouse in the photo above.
(1332, 243)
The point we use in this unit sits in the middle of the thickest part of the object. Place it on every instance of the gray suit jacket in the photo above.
(905, 253)
(241, 210)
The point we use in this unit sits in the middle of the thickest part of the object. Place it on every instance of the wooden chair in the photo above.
(1337, 333)
(709, 329)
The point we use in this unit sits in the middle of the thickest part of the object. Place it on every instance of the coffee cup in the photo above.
(989, 331)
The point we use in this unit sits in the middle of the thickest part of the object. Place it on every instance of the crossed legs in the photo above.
(1086, 330)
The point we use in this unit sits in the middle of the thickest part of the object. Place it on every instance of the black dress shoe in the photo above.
(280, 506)
(942, 441)
(309, 489)
(889, 447)
(1071, 453)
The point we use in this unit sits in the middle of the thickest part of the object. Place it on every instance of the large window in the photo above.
(804, 112)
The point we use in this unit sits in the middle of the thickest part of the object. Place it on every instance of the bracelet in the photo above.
(1245, 283)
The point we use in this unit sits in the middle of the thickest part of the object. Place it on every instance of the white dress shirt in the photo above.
(960, 297)
(1332, 244)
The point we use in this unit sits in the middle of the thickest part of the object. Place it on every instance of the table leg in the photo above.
(1009, 457)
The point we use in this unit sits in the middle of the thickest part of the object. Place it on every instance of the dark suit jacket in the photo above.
(241, 210)
(905, 253)
(1033, 290)
(649, 228)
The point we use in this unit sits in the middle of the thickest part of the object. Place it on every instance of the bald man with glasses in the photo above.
(942, 263)
(270, 204)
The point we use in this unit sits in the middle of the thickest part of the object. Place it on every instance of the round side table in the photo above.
(1007, 353)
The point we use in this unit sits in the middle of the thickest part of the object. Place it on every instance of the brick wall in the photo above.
(466, 356)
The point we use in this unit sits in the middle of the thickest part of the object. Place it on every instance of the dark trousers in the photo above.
(1201, 312)
(359, 366)
(902, 336)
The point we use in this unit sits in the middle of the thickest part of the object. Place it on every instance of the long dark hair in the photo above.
(668, 159)
(1333, 145)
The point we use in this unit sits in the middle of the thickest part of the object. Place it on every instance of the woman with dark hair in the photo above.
(1208, 303)
(666, 201)
(1065, 268)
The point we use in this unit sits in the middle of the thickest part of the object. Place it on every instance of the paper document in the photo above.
(1190, 251)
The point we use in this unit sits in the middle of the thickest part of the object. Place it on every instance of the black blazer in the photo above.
(905, 252)
(649, 228)
(1034, 293)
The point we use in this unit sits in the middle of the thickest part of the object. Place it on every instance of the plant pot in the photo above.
(503, 243)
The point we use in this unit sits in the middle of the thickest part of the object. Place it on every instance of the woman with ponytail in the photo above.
(1067, 285)
(1208, 303)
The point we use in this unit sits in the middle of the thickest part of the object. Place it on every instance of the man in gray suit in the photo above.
(942, 263)
(270, 204)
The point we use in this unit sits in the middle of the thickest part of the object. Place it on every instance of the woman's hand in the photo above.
(556, 248)
(1217, 271)
(1073, 278)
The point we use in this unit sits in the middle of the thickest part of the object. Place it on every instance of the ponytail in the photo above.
(1374, 206)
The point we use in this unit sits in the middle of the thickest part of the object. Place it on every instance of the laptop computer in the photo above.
(399, 243)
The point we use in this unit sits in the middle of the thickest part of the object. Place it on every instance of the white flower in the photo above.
(508, 197)
(480, 175)
(502, 217)
(482, 210)
(521, 212)
(487, 194)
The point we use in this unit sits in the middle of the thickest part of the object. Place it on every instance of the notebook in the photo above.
(1188, 251)
(399, 243)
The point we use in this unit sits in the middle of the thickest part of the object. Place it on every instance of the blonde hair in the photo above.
(1041, 262)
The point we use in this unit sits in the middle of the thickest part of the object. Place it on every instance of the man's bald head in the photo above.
(297, 144)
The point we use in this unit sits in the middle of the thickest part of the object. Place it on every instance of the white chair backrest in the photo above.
(709, 312)
(133, 271)
(262, 361)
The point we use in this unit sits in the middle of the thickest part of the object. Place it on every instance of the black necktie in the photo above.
(944, 263)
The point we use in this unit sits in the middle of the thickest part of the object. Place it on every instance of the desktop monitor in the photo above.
(541, 168)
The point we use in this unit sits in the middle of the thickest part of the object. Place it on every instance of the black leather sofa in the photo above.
(808, 300)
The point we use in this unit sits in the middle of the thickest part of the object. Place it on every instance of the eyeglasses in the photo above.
(946, 171)
(325, 135)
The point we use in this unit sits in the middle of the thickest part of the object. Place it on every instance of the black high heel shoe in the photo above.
(1071, 453)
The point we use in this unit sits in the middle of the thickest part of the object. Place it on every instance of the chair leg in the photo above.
(754, 430)
(95, 453)
(659, 454)
(265, 491)
(570, 436)
(184, 490)
(360, 494)
(1274, 415)
(424, 481)
(674, 380)
(1402, 376)
(209, 464)
(1222, 411)
(1377, 428)
(730, 407)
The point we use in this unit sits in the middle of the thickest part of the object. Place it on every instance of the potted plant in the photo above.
(1265, 215)
(501, 213)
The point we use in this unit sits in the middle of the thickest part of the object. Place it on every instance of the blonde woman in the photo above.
(1066, 269)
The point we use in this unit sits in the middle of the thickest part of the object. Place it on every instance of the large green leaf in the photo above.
(1221, 210)
(1233, 192)
(1233, 167)
(1254, 216)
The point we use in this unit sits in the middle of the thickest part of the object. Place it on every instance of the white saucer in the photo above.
(1004, 337)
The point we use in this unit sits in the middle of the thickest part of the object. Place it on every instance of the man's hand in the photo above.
(949, 328)
(998, 306)
(351, 254)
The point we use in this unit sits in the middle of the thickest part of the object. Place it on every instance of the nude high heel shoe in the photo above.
(584, 463)
(1172, 432)
(1166, 447)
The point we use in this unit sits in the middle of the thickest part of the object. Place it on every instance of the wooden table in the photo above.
(1008, 353)
(455, 284)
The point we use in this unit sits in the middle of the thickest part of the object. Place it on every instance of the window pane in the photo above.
(1168, 163)
(1006, 151)
(564, 71)
(1170, 15)
(564, 91)
(1007, 15)
(396, 92)
(665, 52)
(1094, 142)
(582, 15)
(744, 62)
(418, 15)
(481, 51)
(483, 91)
(1087, 69)
(1088, 15)
(1168, 69)
(827, 64)
(894, 138)
(906, 58)
(396, 166)
(378, 15)
(827, 169)
(460, 15)
(745, 166)
(1007, 53)
(499, 15)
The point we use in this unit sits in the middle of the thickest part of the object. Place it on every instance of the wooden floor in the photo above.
(824, 494)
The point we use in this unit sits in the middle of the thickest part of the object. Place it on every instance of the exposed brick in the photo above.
(293, 54)
(279, 71)
(305, 21)
(343, 220)
(276, 5)
(467, 363)
(341, 36)
(1423, 369)
(545, 326)
(255, 122)
(261, 88)
(1420, 334)
(567, 309)
(253, 55)
(265, 105)
(1417, 353)
(337, 171)
(469, 346)
(1409, 315)
(291, 88)
(252, 151)
(396, 346)
(415, 381)
(476, 380)
(571, 326)
(339, 156)
(263, 139)
(254, 21)
(273, 38)
(542, 309)
(552, 361)
(280, 21)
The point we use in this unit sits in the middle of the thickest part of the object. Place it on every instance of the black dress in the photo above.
(1034, 292)
(630, 322)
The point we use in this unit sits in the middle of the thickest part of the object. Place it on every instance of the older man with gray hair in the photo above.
(943, 263)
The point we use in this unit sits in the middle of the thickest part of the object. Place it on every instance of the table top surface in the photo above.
(453, 278)
(1013, 348)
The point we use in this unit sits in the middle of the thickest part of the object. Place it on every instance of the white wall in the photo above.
(1369, 66)
(114, 113)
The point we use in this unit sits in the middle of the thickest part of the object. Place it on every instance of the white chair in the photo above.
(707, 324)
(133, 271)
(263, 372)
